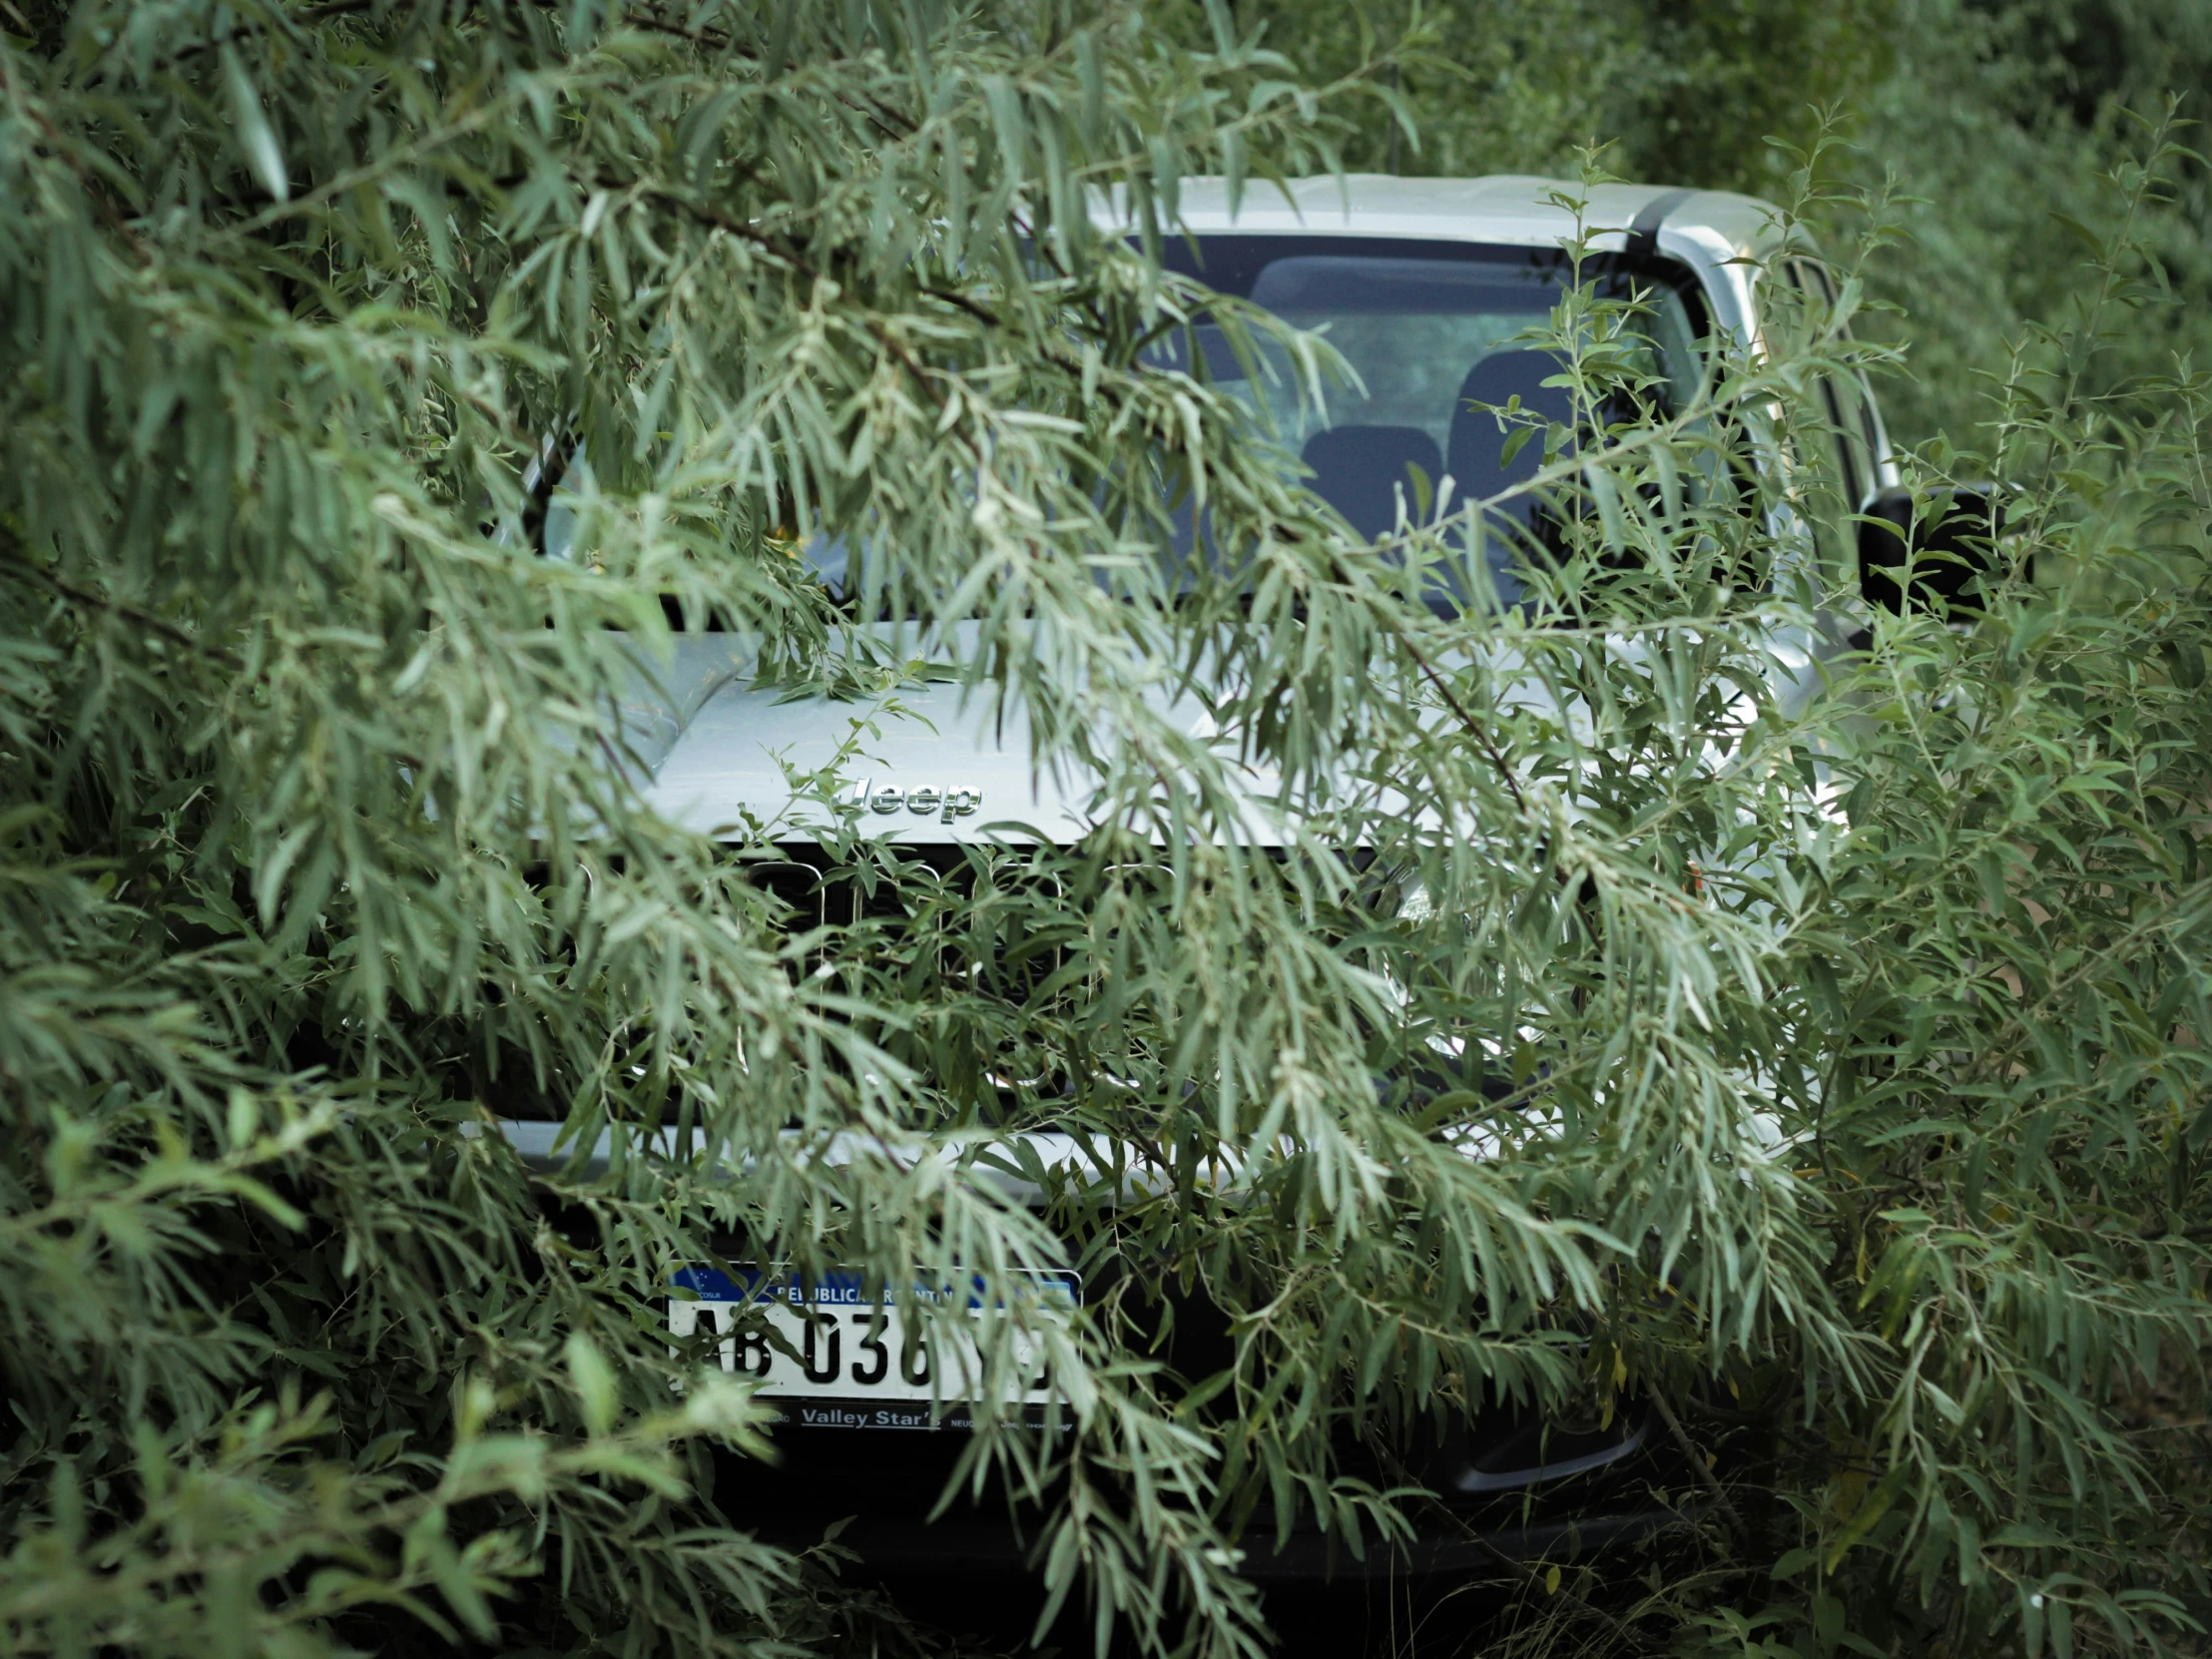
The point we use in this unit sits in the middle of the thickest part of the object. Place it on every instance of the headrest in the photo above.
(1477, 438)
(1360, 471)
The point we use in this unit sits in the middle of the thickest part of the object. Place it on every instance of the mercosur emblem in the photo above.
(948, 803)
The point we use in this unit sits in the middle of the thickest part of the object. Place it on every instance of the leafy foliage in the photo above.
(1988, 128)
(2012, 187)
(1685, 93)
(1818, 1062)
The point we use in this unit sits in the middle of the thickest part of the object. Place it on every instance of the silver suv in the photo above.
(1423, 286)
(1427, 288)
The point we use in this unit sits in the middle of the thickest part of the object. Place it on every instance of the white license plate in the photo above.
(849, 1360)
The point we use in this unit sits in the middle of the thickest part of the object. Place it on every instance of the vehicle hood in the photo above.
(924, 759)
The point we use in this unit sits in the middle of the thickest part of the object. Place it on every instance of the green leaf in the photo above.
(1792, 1562)
(593, 1380)
(257, 137)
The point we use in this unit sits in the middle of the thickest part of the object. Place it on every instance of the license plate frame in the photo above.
(849, 1360)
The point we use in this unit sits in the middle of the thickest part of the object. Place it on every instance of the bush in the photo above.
(1831, 1059)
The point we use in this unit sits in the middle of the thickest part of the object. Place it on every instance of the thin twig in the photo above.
(130, 613)
(1496, 757)
(1531, 1578)
(1528, 1575)
(88, 184)
(1704, 1472)
(798, 261)
(892, 123)
(312, 15)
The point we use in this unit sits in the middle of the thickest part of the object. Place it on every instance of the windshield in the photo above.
(1436, 335)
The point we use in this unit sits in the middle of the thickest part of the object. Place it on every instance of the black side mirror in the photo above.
(1954, 542)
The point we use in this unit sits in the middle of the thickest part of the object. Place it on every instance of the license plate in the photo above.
(851, 1360)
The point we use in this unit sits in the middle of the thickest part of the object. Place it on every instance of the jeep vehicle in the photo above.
(1428, 289)
(1423, 285)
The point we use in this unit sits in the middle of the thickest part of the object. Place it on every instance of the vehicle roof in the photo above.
(1513, 208)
